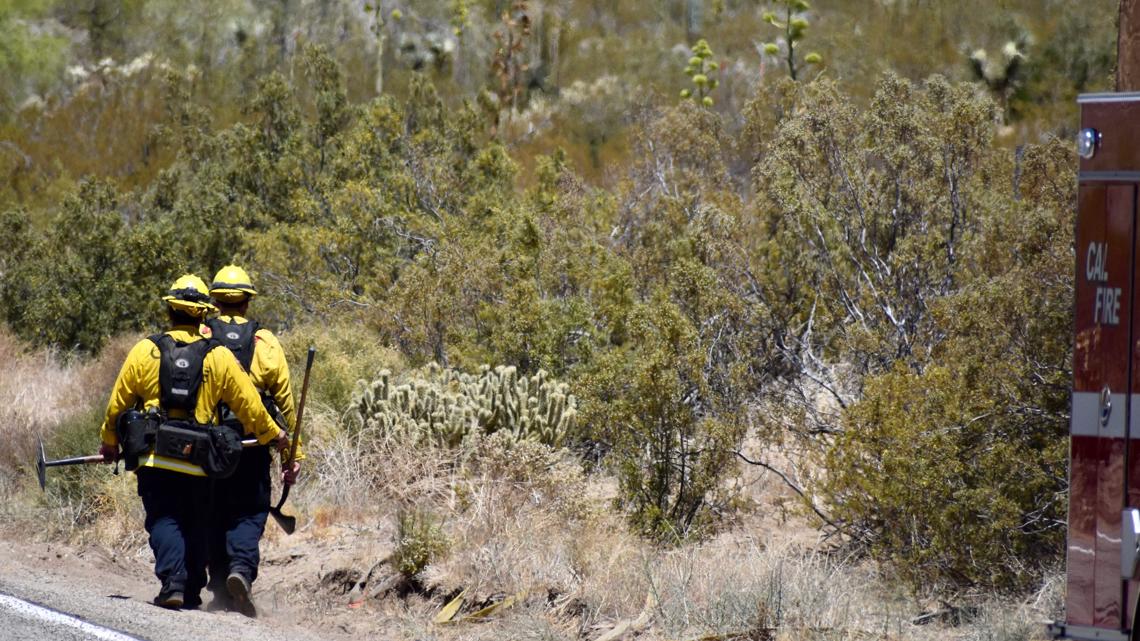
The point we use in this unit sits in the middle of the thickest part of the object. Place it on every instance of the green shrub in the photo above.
(33, 56)
(672, 448)
(347, 353)
(951, 462)
(419, 541)
(69, 285)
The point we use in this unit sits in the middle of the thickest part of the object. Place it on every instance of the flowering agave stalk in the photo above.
(794, 26)
(700, 70)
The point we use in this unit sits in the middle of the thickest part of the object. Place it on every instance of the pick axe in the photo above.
(42, 464)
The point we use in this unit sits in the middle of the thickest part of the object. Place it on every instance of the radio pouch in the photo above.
(136, 432)
(222, 454)
(181, 441)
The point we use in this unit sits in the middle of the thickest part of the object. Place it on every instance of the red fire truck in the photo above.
(1104, 473)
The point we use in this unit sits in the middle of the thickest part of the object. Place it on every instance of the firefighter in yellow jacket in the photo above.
(241, 502)
(169, 388)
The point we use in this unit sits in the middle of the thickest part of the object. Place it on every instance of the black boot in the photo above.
(242, 593)
(169, 597)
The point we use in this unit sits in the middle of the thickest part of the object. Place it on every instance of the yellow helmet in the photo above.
(232, 285)
(188, 294)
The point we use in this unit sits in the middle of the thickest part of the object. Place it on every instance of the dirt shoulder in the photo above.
(115, 591)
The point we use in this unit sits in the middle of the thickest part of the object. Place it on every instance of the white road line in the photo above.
(51, 616)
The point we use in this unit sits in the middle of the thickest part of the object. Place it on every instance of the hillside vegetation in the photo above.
(831, 242)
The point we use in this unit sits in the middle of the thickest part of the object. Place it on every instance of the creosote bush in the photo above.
(346, 354)
(939, 281)
(671, 451)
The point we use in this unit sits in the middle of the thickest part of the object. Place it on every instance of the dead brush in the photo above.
(41, 388)
(742, 587)
(516, 515)
(520, 524)
(46, 395)
(36, 390)
(735, 585)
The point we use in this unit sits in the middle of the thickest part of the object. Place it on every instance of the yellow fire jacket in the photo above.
(269, 372)
(222, 381)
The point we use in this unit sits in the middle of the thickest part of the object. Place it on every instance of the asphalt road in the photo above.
(47, 595)
(20, 619)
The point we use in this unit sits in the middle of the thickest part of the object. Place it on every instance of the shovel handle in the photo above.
(289, 523)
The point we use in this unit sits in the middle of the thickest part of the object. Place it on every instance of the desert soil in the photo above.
(299, 597)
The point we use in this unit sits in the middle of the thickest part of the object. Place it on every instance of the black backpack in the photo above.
(180, 371)
(216, 449)
(237, 337)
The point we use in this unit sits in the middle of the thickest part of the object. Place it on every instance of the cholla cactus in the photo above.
(794, 26)
(446, 405)
(1001, 74)
(701, 70)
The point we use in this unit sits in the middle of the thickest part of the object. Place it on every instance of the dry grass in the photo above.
(36, 390)
(39, 389)
(51, 396)
(529, 522)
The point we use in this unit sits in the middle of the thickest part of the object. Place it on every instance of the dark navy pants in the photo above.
(241, 506)
(177, 514)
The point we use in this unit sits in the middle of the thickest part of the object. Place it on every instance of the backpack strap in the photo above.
(180, 371)
(237, 337)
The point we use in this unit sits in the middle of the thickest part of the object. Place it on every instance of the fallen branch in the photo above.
(632, 625)
(795, 488)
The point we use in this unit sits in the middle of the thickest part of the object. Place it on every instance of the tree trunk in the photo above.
(280, 30)
(378, 29)
(693, 11)
(379, 85)
(1128, 47)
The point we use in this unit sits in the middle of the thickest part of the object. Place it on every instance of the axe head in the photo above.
(288, 523)
(41, 465)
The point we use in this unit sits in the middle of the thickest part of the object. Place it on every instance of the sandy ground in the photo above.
(115, 591)
(301, 595)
